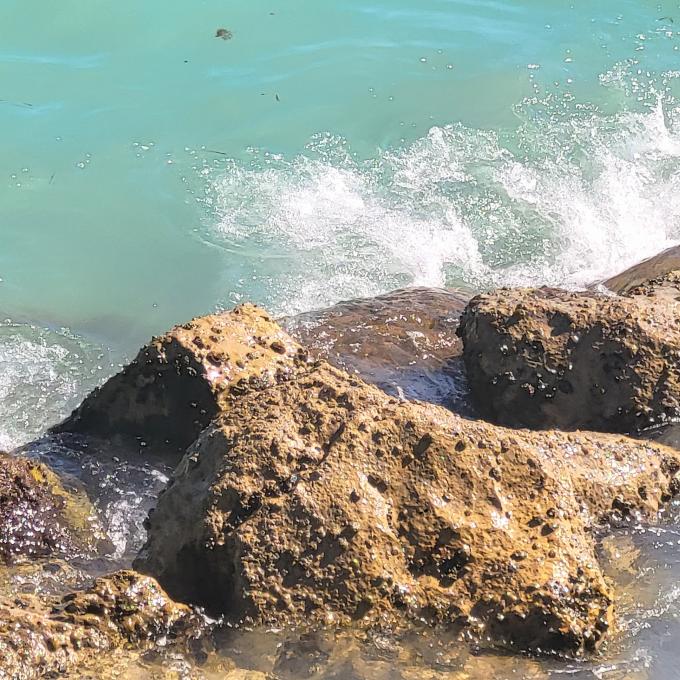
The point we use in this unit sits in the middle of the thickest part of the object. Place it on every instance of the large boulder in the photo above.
(46, 639)
(39, 516)
(404, 342)
(546, 358)
(325, 500)
(181, 380)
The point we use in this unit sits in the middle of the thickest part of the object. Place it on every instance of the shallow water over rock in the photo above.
(404, 342)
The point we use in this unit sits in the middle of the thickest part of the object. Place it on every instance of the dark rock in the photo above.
(404, 342)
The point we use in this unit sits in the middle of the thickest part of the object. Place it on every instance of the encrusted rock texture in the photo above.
(322, 499)
(38, 515)
(547, 358)
(653, 268)
(405, 342)
(181, 380)
(39, 639)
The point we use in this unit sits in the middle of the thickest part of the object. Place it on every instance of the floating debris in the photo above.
(224, 34)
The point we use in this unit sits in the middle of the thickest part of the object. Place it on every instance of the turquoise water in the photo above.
(151, 171)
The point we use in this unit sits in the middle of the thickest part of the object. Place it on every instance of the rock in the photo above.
(662, 289)
(181, 380)
(655, 267)
(546, 358)
(39, 639)
(324, 500)
(404, 342)
(38, 515)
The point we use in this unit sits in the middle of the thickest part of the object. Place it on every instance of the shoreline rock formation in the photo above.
(324, 499)
(181, 380)
(306, 497)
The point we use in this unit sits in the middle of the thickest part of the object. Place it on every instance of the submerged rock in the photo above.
(181, 380)
(38, 515)
(546, 358)
(404, 342)
(325, 500)
(39, 638)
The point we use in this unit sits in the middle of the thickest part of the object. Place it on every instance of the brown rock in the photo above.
(665, 288)
(324, 500)
(181, 380)
(38, 516)
(404, 342)
(39, 639)
(653, 268)
(546, 358)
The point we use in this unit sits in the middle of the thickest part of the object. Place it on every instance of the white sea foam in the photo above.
(564, 201)
(41, 373)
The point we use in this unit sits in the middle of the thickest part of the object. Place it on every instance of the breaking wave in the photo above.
(42, 374)
(569, 197)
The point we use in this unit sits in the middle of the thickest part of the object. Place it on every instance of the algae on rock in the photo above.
(39, 516)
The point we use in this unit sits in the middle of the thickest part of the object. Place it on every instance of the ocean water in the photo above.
(151, 171)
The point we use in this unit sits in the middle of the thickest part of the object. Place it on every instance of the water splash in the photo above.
(42, 373)
(571, 196)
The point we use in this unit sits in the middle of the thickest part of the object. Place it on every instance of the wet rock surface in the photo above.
(324, 500)
(547, 358)
(46, 638)
(38, 515)
(404, 342)
(181, 380)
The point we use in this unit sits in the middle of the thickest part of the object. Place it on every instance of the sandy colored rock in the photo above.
(181, 380)
(662, 289)
(404, 342)
(39, 639)
(38, 515)
(547, 358)
(325, 500)
(652, 268)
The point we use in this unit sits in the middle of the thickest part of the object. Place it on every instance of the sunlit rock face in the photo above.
(47, 638)
(655, 267)
(324, 500)
(548, 358)
(181, 380)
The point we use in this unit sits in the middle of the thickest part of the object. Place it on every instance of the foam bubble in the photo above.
(337, 231)
(42, 374)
